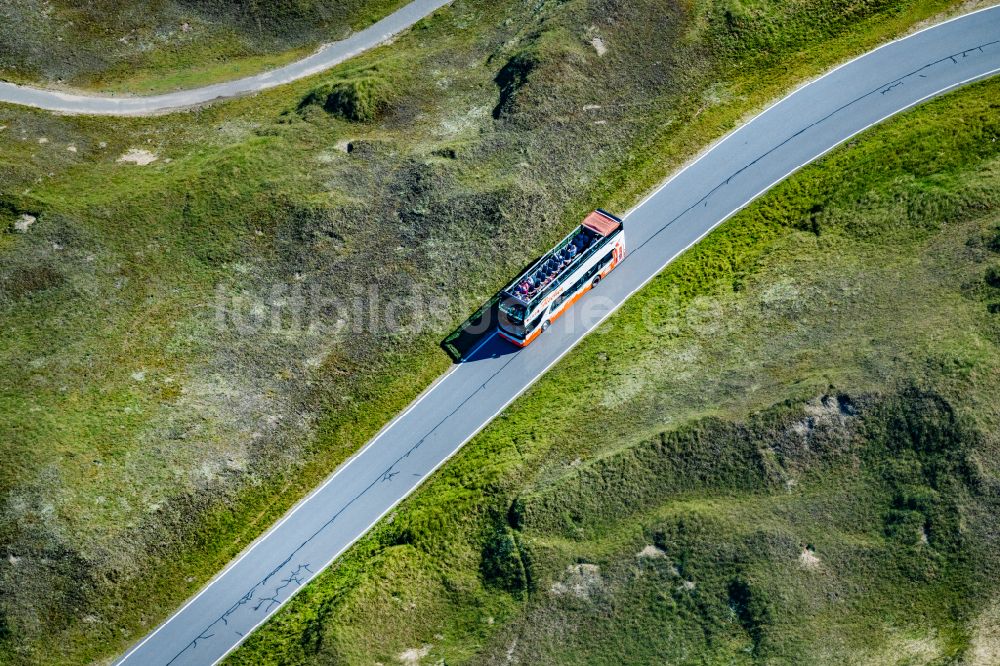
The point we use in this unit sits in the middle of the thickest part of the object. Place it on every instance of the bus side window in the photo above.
(606, 260)
(578, 285)
(596, 268)
(563, 296)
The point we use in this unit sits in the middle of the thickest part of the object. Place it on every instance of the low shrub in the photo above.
(511, 78)
(360, 99)
(993, 277)
(503, 564)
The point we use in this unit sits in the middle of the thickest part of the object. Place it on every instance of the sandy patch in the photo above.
(463, 121)
(414, 655)
(802, 428)
(510, 652)
(808, 561)
(24, 223)
(71, 149)
(43, 140)
(651, 551)
(984, 648)
(137, 156)
(903, 647)
(824, 408)
(580, 580)
(599, 45)
(823, 411)
(922, 650)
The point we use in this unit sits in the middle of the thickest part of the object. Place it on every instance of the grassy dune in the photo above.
(782, 450)
(146, 47)
(191, 344)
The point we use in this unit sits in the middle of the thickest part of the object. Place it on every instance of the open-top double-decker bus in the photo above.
(539, 295)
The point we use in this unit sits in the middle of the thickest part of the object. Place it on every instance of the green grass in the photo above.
(710, 447)
(163, 73)
(142, 446)
(145, 48)
(361, 99)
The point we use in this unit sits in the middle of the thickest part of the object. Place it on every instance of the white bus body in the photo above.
(538, 296)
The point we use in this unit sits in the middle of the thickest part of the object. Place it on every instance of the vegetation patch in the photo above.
(360, 99)
(503, 563)
(511, 78)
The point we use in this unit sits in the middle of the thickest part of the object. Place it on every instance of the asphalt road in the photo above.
(795, 131)
(328, 56)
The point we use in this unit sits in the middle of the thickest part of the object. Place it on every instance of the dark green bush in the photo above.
(751, 605)
(994, 242)
(502, 564)
(361, 99)
(511, 78)
(905, 525)
(25, 280)
(993, 277)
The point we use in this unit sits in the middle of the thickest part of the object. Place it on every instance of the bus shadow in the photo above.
(491, 346)
(465, 342)
(468, 342)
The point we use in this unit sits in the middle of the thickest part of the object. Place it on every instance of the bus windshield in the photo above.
(514, 311)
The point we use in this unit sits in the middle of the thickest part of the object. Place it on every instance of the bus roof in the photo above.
(602, 222)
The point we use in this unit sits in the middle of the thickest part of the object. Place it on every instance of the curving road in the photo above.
(795, 131)
(325, 58)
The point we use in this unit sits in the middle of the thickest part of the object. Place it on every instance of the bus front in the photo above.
(514, 324)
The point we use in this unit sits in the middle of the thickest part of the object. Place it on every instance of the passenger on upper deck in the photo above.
(555, 264)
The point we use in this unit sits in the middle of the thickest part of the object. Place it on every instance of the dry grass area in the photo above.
(984, 646)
